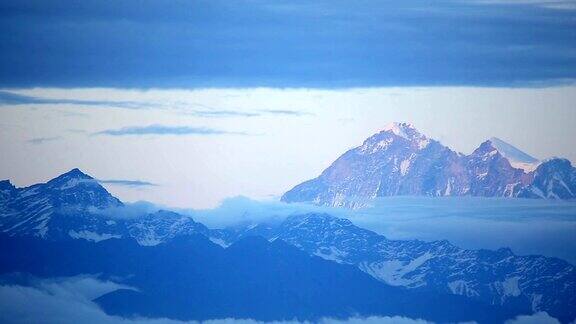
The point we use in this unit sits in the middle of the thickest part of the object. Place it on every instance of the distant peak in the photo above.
(486, 148)
(400, 129)
(511, 152)
(557, 161)
(6, 185)
(73, 175)
(76, 173)
(397, 125)
(488, 144)
(382, 140)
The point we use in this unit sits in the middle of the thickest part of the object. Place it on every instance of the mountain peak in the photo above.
(72, 179)
(486, 147)
(517, 158)
(6, 184)
(76, 173)
(511, 152)
(401, 129)
(6, 188)
(383, 139)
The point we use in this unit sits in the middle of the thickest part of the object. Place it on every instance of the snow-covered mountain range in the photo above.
(74, 207)
(399, 160)
(498, 277)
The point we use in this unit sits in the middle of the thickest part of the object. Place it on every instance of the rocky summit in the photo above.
(400, 160)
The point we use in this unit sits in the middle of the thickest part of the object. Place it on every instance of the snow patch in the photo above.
(92, 236)
(331, 253)
(218, 241)
(510, 287)
(393, 272)
(461, 287)
(527, 167)
(404, 166)
(398, 129)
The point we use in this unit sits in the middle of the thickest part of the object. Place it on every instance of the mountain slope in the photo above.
(553, 179)
(75, 206)
(516, 157)
(491, 174)
(396, 161)
(496, 277)
(81, 215)
(401, 161)
(191, 278)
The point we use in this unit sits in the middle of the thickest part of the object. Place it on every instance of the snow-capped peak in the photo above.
(72, 179)
(401, 129)
(516, 157)
(486, 148)
(75, 173)
(388, 136)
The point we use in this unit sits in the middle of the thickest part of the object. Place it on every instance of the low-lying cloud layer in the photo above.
(526, 226)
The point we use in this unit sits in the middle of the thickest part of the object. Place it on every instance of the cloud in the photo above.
(129, 210)
(284, 112)
(128, 183)
(550, 4)
(63, 300)
(538, 318)
(526, 226)
(165, 130)
(238, 210)
(69, 300)
(220, 113)
(256, 113)
(319, 44)
(42, 140)
(13, 99)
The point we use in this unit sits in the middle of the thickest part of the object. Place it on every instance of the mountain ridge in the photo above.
(495, 277)
(399, 160)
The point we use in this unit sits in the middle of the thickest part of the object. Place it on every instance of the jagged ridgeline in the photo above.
(306, 266)
(399, 160)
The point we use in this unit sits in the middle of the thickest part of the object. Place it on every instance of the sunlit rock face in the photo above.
(399, 160)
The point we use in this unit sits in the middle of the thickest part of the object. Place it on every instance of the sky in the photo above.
(297, 43)
(187, 103)
(195, 147)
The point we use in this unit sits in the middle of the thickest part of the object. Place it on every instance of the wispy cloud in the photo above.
(13, 99)
(284, 112)
(208, 111)
(166, 130)
(42, 140)
(221, 113)
(128, 183)
(8, 98)
(550, 4)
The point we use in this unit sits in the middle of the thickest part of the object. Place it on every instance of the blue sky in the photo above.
(211, 99)
(219, 43)
(200, 146)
